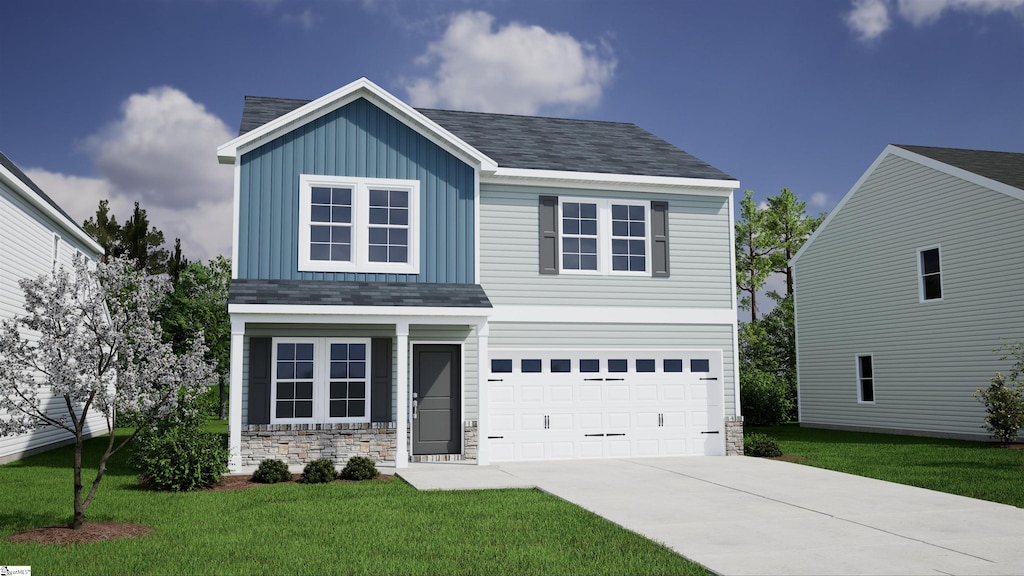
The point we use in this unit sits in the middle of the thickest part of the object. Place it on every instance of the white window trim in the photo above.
(360, 225)
(321, 380)
(920, 275)
(874, 376)
(604, 236)
(55, 265)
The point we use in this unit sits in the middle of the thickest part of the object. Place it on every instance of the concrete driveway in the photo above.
(740, 515)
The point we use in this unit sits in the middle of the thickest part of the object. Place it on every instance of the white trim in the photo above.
(919, 159)
(56, 253)
(476, 225)
(230, 152)
(483, 451)
(462, 387)
(737, 410)
(403, 390)
(605, 181)
(920, 276)
(236, 217)
(796, 352)
(321, 379)
(860, 397)
(612, 315)
(235, 395)
(307, 314)
(21, 188)
(359, 225)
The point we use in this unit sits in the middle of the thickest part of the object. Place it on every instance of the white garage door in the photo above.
(545, 405)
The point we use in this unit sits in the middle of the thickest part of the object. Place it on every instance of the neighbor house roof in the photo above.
(26, 186)
(317, 293)
(539, 143)
(1005, 167)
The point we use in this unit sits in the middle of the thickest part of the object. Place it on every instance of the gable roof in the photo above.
(999, 171)
(531, 142)
(20, 181)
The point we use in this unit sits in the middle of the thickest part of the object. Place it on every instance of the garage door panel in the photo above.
(673, 391)
(502, 423)
(592, 448)
(531, 422)
(617, 421)
(591, 421)
(617, 393)
(647, 392)
(563, 450)
(560, 393)
(502, 395)
(590, 393)
(531, 394)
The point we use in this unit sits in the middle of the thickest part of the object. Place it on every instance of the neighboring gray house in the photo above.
(905, 290)
(430, 285)
(36, 237)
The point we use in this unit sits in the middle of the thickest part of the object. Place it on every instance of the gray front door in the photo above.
(436, 388)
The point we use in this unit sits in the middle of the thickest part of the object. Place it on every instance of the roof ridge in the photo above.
(910, 146)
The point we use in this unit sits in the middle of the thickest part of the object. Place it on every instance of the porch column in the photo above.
(483, 370)
(402, 393)
(235, 396)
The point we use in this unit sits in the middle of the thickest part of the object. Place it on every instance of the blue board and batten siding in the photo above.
(359, 140)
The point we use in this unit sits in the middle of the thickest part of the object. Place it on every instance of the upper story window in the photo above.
(601, 236)
(865, 379)
(929, 265)
(358, 225)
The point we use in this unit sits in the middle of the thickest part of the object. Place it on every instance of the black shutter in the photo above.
(259, 380)
(548, 227)
(380, 380)
(659, 239)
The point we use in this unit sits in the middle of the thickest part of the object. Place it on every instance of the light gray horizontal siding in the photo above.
(621, 337)
(698, 243)
(857, 293)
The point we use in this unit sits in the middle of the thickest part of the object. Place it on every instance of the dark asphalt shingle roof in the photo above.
(314, 293)
(540, 143)
(1005, 167)
(10, 165)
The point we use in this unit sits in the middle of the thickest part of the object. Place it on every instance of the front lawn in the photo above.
(974, 469)
(367, 528)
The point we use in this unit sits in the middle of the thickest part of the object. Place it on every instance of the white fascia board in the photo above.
(305, 314)
(612, 315)
(842, 202)
(43, 206)
(603, 181)
(971, 177)
(228, 152)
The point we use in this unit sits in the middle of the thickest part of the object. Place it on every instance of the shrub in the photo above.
(179, 457)
(1005, 406)
(359, 468)
(765, 400)
(271, 472)
(761, 445)
(319, 472)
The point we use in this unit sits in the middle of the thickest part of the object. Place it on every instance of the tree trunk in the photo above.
(79, 517)
(789, 273)
(223, 398)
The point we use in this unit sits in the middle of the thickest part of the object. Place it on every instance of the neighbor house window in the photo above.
(930, 270)
(358, 225)
(601, 236)
(320, 380)
(865, 379)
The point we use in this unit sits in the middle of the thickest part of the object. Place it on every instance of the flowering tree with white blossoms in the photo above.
(91, 341)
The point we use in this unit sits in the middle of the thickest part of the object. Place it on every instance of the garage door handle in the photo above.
(495, 437)
(710, 432)
(712, 378)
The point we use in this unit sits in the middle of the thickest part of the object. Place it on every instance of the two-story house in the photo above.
(36, 237)
(427, 285)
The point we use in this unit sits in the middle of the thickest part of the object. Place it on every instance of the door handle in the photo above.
(415, 405)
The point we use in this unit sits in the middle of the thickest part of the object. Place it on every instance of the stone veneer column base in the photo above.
(302, 443)
(470, 439)
(734, 435)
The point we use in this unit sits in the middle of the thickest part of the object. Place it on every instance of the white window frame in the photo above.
(920, 275)
(604, 236)
(360, 261)
(874, 376)
(321, 380)
(55, 265)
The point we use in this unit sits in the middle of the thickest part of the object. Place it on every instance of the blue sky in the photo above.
(128, 100)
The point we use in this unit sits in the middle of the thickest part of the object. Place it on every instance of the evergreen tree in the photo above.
(754, 248)
(789, 226)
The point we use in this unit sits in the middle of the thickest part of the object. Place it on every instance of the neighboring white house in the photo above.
(907, 288)
(36, 236)
(422, 285)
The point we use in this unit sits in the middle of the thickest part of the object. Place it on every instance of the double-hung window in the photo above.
(865, 379)
(358, 225)
(320, 380)
(604, 236)
(929, 267)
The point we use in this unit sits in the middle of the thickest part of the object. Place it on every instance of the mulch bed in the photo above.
(243, 482)
(791, 458)
(89, 532)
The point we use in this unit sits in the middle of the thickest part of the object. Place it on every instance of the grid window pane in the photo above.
(579, 236)
(330, 237)
(388, 238)
(629, 239)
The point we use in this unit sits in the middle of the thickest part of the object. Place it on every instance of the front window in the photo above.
(358, 225)
(320, 380)
(930, 270)
(602, 236)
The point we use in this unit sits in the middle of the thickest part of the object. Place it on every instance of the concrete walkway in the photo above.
(740, 515)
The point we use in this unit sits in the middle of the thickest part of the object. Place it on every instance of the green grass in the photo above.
(338, 528)
(974, 469)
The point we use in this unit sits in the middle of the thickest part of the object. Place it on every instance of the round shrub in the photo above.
(179, 457)
(271, 472)
(761, 445)
(359, 468)
(764, 397)
(319, 471)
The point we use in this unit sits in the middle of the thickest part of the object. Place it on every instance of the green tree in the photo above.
(176, 262)
(136, 240)
(789, 227)
(105, 230)
(754, 248)
(198, 306)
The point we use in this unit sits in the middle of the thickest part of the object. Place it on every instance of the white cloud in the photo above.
(161, 153)
(819, 200)
(517, 69)
(870, 18)
(306, 19)
(762, 205)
